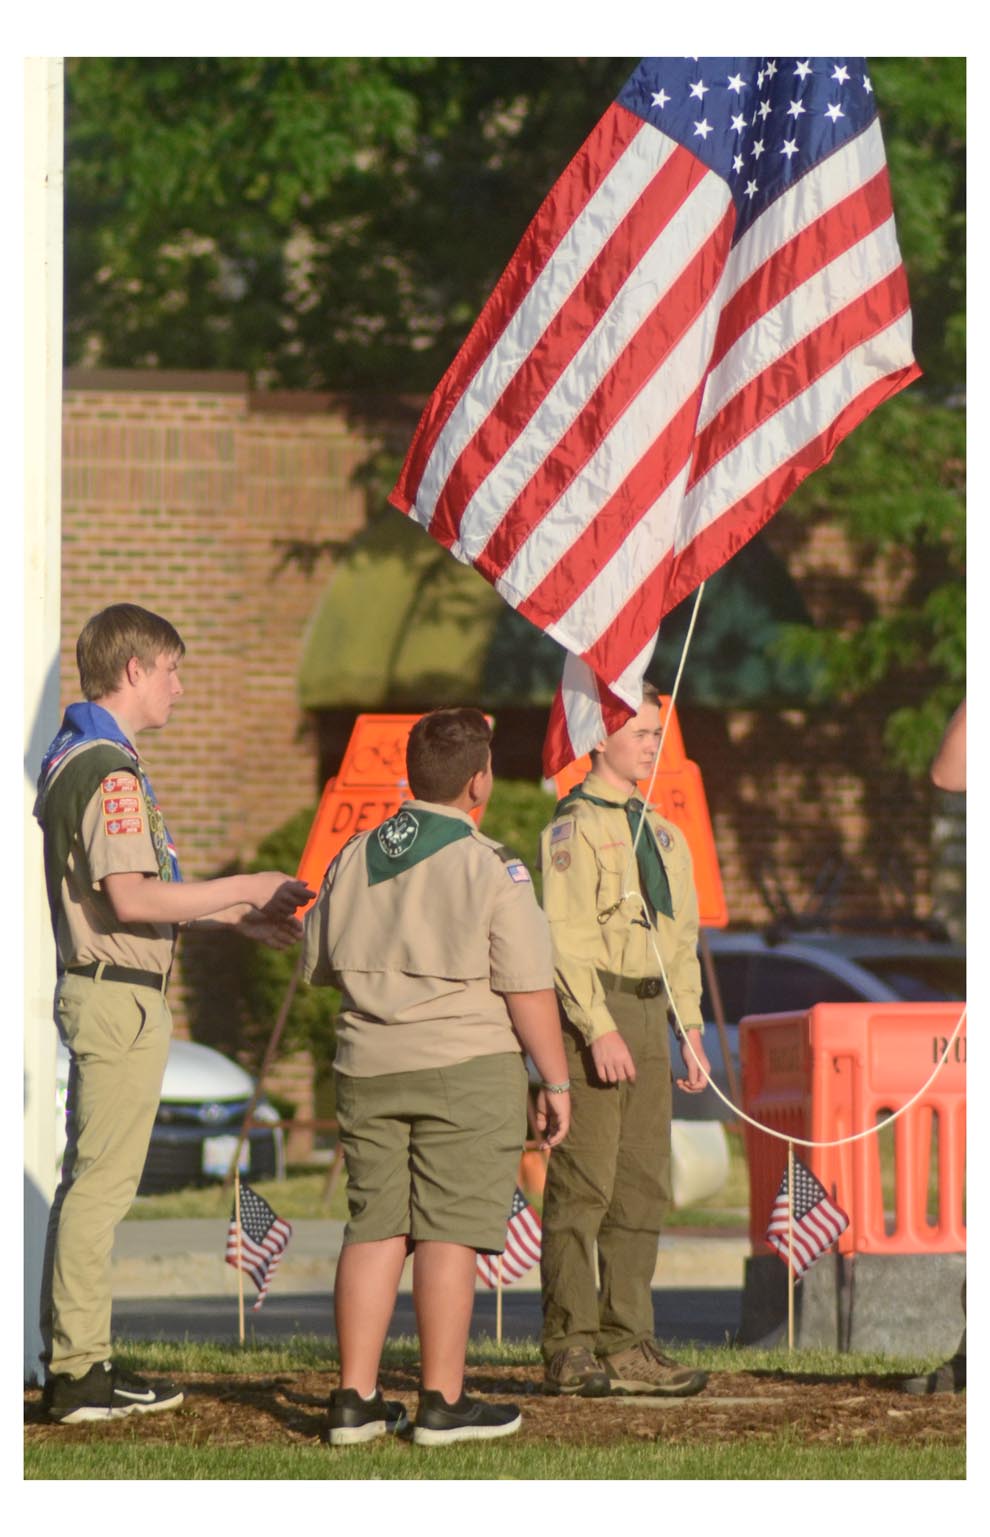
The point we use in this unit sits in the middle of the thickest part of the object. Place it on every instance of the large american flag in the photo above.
(263, 1238)
(709, 299)
(523, 1242)
(817, 1222)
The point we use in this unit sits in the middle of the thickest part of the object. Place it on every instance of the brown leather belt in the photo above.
(129, 974)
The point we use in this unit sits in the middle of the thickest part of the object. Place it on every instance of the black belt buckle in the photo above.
(649, 987)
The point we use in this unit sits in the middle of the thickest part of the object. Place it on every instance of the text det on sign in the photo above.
(679, 795)
(370, 787)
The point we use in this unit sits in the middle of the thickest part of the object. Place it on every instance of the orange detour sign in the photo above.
(371, 786)
(678, 795)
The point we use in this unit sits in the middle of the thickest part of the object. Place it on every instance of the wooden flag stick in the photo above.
(498, 1304)
(790, 1246)
(240, 1269)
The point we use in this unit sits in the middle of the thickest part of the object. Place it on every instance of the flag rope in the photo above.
(637, 895)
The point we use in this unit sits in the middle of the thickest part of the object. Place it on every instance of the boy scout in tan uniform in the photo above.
(610, 911)
(116, 897)
(432, 932)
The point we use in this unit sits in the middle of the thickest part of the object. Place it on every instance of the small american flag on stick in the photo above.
(263, 1239)
(817, 1220)
(523, 1241)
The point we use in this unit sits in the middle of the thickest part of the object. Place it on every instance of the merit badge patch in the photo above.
(119, 784)
(121, 806)
(124, 825)
(517, 872)
(663, 837)
(562, 861)
(561, 831)
(397, 836)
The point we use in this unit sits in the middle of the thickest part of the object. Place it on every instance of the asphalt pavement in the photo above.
(170, 1281)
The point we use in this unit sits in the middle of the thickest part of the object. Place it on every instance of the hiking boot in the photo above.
(106, 1393)
(469, 1419)
(950, 1377)
(576, 1371)
(644, 1368)
(352, 1419)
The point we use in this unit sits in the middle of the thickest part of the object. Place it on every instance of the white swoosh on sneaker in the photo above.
(147, 1397)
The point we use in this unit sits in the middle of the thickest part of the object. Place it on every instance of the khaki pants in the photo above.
(118, 1038)
(608, 1183)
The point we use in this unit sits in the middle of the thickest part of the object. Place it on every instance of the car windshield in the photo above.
(921, 978)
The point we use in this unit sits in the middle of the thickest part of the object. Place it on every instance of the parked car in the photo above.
(759, 974)
(205, 1097)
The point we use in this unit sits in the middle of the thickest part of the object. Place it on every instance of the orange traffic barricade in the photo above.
(838, 1069)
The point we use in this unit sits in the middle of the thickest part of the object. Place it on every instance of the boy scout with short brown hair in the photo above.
(611, 910)
(116, 899)
(433, 934)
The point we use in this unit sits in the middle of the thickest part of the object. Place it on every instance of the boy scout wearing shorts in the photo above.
(433, 934)
(116, 896)
(610, 1183)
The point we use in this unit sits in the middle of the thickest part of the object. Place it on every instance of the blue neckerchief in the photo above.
(84, 723)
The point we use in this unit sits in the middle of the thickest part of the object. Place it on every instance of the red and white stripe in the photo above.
(638, 397)
(258, 1260)
(813, 1233)
(523, 1241)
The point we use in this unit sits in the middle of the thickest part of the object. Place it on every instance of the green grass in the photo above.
(779, 1457)
(781, 1454)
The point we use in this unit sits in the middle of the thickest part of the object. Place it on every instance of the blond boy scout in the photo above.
(613, 914)
(433, 934)
(116, 897)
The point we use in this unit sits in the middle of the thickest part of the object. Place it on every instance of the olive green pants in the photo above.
(608, 1183)
(118, 1038)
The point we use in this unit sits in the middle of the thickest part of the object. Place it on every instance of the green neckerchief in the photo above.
(652, 875)
(403, 840)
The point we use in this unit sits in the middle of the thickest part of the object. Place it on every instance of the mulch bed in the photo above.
(736, 1406)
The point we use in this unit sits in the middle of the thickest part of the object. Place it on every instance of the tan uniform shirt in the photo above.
(423, 958)
(587, 860)
(113, 836)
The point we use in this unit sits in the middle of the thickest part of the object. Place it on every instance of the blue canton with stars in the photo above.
(760, 124)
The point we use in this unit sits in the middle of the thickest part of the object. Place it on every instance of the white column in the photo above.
(43, 116)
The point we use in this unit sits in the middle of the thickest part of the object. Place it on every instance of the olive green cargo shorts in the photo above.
(434, 1154)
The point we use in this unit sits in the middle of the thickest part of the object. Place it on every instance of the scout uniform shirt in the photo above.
(587, 860)
(422, 923)
(115, 833)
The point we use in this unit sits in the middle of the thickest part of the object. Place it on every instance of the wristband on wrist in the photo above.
(557, 1088)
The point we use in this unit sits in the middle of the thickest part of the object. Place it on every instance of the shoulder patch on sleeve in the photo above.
(517, 871)
(561, 831)
(120, 784)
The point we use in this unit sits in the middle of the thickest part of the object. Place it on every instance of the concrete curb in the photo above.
(185, 1258)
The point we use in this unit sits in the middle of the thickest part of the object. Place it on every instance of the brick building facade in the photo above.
(184, 493)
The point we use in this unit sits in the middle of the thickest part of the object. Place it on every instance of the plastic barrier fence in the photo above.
(840, 1068)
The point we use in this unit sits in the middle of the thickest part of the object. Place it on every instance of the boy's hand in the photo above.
(553, 1117)
(278, 896)
(697, 1071)
(613, 1059)
(277, 933)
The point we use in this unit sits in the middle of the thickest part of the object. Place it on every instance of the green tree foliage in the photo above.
(898, 482)
(338, 223)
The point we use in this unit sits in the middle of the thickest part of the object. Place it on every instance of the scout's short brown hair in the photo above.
(445, 749)
(109, 640)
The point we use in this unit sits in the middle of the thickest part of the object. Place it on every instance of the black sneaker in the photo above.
(950, 1377)
(438, 1423)
(352, 1419)
(106, 1393)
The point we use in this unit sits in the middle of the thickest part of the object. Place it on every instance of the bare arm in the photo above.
(536, 1021)
(949, 767)
(137, 898)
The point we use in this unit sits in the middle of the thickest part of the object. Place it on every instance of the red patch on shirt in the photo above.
(121, 806)
(124, 825)
(119, 784)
